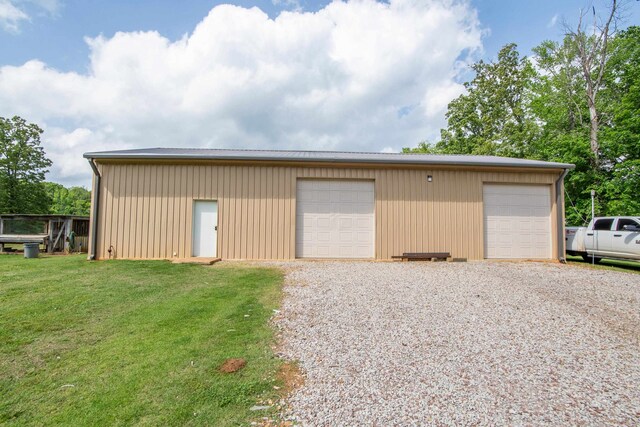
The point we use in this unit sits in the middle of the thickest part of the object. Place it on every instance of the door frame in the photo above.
(193, 218)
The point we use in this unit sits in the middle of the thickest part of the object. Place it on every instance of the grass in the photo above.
(607, 264)
(133, 342)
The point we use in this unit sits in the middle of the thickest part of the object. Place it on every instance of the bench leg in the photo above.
(1, 247)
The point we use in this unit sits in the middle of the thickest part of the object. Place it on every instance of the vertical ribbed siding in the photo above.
(146, 209)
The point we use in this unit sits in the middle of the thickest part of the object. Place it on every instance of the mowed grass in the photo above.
(133, 342)
(607, 264)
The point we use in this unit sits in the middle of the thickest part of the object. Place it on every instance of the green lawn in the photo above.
(133, 342)
(607, 264)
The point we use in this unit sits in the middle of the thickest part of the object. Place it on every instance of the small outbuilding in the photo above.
(55, 233)
(165, 203)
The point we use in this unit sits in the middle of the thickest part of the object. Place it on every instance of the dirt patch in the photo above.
(291, 377)
(273, 423)
(232, 365)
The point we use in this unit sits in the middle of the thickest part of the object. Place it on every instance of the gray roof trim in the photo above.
(323, 157)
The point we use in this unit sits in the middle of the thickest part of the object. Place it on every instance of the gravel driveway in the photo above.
(462, 343)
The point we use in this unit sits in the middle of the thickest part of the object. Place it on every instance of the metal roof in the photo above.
(323, 157)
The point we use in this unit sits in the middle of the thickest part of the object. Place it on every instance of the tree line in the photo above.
(23, 166)
(574, 101)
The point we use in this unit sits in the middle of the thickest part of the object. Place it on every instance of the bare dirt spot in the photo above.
(291, 377)
(232, 365)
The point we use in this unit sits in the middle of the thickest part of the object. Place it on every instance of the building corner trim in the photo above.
(95, 209)
(560, 215)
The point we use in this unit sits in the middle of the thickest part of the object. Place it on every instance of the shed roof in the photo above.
(42, 217)
(322, 157)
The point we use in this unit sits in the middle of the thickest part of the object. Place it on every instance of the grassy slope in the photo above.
(140, 341)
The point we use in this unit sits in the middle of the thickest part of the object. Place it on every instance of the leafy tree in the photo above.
(23, 166)
(68, 201)
(566, 115)
(423, 147)
(621, 135)
(562, 112)
(593, 52)
(493, 117)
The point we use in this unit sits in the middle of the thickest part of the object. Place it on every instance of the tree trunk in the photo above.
(593, 52)
(594, 124)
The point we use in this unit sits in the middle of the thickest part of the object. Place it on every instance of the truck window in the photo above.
(603, 224)
(625, 221)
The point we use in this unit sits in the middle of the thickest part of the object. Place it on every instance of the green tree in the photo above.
(592, 50)
(493, 117)
(566, 115)
(68, 201)
(424, 147)
(23, 166)
(621, 134)
(560, 108)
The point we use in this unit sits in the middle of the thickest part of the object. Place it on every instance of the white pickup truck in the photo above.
(605, 237)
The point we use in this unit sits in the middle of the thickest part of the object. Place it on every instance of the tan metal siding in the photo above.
(146, 209)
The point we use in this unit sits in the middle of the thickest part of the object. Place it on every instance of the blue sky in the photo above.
(289, 74)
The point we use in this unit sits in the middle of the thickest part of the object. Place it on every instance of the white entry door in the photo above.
(517, 221)
(335, 219)
(205, 228)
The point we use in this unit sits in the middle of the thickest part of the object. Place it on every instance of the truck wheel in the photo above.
(587, 258)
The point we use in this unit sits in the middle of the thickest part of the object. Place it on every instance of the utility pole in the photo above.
(593, 210)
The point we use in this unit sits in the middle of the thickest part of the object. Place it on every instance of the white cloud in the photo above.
(13, 13)
(553, 21)
(11, 16)
(361, 75)
(438, 96)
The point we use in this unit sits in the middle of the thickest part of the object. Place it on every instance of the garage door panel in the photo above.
(365, 223)
(335, 219)
(322, 251)
(321, 196)
(321, 223)
(345, 223)
(517, 221)
(323, 236)
(542, 213)
(345, 237)
(346, 196)
(364, 197)
(363, 237)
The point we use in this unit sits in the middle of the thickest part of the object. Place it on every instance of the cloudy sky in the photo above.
(286, 74)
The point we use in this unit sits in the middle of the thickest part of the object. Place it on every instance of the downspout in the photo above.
(560, 216)
(95, 208)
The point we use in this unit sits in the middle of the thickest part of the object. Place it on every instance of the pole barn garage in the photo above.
(164, 203)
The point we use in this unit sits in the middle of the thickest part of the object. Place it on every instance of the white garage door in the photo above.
(335, 219)
(517, 221)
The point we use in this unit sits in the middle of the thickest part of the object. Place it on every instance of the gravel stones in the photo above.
(476, 343)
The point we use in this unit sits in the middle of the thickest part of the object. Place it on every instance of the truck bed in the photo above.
(574, 237)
